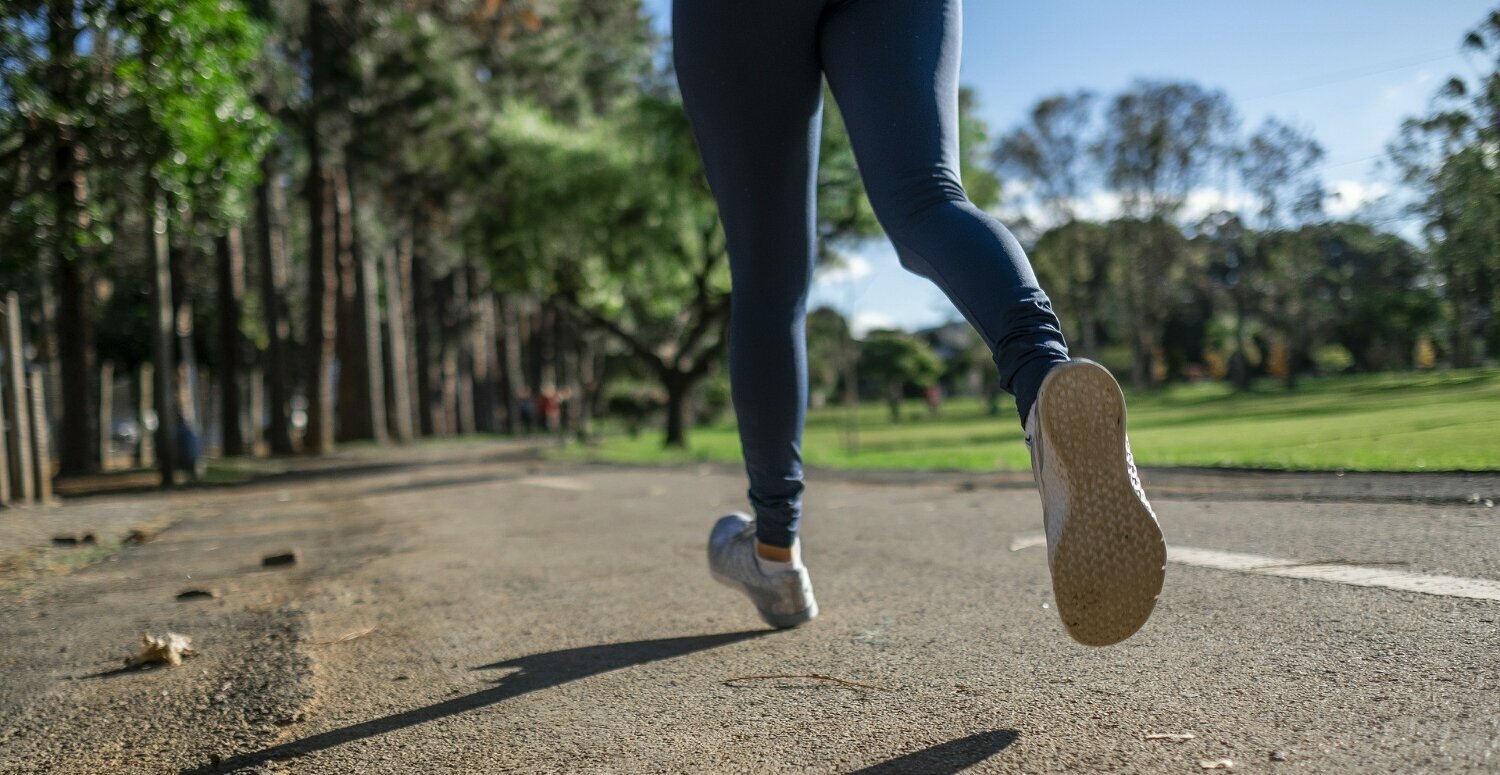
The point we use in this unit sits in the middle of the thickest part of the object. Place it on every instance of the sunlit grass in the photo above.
(1428, 421)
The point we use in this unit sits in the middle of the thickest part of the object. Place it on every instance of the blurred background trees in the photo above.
(287, 224)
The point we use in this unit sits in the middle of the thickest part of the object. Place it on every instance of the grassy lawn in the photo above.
(1428, 421)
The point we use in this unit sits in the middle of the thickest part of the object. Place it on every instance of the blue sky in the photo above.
(1346, 71)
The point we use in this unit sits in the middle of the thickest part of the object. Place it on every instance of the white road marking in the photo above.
(1337, 573)
(557, 483)
(1028, 541)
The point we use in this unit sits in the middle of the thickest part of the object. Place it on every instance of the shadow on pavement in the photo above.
(536, 672)
(952, 756)
(440, 484)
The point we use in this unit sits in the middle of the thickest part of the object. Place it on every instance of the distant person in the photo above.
(189, 448)
(549, 407)
(751, 75)
(933, 395)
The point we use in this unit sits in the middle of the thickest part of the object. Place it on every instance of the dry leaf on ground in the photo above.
(170, 649)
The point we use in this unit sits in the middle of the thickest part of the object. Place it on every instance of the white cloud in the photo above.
(850, 267)
(865, 322)
(1106, 205)
(1347, 196)
(1411, 90)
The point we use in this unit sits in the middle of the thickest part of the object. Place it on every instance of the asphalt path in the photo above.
(477, 611)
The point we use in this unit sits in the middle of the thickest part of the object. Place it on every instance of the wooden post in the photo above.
(166, 416)
(5, 427)
(17, 412)
(43, 463)
(106, 411)
(145, 406)
(4, 452)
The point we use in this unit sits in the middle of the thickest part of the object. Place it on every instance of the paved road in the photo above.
(474, 611)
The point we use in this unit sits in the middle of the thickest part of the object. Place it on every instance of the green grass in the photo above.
(1427, 421)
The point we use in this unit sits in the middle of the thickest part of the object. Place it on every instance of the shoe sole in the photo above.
(775, 620)
(1110, 560)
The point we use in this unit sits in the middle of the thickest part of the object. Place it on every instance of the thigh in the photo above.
(752, 88)
(893, 68)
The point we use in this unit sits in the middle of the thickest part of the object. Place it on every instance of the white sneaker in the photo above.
(784, 599)
(1104, 545)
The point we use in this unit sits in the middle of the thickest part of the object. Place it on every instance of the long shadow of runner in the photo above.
(950, 757)
(537, 672)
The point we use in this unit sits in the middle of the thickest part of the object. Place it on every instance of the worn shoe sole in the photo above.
(1110, 559)
(778, 621)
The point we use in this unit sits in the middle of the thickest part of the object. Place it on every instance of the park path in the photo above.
(474, 610)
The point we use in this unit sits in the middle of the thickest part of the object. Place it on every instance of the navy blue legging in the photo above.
(751, 74)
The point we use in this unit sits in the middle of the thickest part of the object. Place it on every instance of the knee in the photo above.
(906, 205)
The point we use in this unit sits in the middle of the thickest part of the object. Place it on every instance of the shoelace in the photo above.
(1135, 478)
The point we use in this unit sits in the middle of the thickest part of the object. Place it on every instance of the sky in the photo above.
(1347, 71)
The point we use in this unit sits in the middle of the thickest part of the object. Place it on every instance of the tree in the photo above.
(1050, 153)
(95, 88)
(1076, 263)
(895, 359)
(616, 222)
(1449, 158)
(1160, 140)
(831, 350)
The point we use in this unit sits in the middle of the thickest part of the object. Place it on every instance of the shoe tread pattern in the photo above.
(1110, 559)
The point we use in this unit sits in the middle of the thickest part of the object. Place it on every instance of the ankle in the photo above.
(773, 553)
(777, 559)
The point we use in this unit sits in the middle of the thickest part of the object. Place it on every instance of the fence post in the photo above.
(145, 455)
(5, 430)
(43, 449)
(106, 412)
(17, 413)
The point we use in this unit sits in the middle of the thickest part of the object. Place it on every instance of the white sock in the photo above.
(772, 567)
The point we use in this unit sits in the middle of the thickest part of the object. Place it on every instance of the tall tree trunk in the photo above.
(482, 348)
(1239, 362)
(427, 367)
(70, 221)
(354, 410)
(464, 350)
(75, 333)
(45, 341)
(161, 339)
(590, 384)
(270, 207)
(369, 294)
(396, 309)
(546, 346)
(514, 374)
(256, 410)
(323, 276)
(571, 389)
(405, 369)
(322, 308)
(679, 406)
(180, 260)
(450, 302)
(231, 250)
